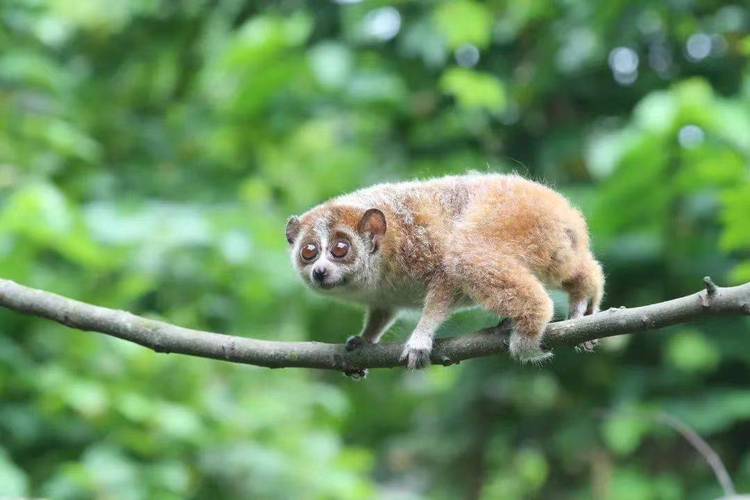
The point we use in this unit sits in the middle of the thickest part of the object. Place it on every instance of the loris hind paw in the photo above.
(528, 350)
(416, 357)
(588, 347)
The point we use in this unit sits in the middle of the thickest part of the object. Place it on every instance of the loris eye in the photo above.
(340, 249)
(309, 252)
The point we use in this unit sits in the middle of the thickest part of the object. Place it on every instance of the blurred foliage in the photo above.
(150, 152)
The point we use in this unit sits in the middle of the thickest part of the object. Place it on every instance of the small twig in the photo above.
(702, 446)
(696, 441)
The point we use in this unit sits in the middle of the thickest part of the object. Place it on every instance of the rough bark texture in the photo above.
(167, 338)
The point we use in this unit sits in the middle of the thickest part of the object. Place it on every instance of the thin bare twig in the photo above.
(696, 441)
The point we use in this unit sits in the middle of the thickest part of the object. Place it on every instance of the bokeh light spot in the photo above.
(623, 60)
(467, 55)
(691, 136)
(624, 64)
(382, 24)
(698, 47)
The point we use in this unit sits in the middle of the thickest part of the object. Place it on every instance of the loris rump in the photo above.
(482, 239)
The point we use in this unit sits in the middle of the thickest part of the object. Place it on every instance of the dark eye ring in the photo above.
(340, 249)
(309, 252)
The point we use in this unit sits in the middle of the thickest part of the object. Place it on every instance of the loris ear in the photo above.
(292, 229)
(373, 225)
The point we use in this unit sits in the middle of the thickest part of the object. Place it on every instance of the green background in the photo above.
(152, 150)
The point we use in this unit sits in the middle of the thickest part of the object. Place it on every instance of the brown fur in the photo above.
(492, 240)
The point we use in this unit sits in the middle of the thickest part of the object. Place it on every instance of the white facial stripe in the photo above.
(321, 230)
(321, 227)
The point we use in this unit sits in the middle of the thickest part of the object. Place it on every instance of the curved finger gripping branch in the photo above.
(168, 338)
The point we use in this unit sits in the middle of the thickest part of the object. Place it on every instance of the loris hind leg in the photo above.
(507, 288)
(585, 289)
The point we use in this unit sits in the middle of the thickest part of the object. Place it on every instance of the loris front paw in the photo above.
(356, 375)
(355, 342)
(416, 354)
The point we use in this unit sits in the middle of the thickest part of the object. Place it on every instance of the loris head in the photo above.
(335, 247)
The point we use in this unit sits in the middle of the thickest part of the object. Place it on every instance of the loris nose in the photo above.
(319, 273)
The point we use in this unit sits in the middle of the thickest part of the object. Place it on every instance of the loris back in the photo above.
(491, 240)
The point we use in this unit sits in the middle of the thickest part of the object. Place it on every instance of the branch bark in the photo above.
(166, 338)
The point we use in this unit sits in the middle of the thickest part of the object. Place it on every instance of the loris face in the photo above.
(334, 247)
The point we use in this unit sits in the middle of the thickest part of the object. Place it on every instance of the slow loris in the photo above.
(480, 239)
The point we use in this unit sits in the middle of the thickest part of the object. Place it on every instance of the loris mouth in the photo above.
(331, 285)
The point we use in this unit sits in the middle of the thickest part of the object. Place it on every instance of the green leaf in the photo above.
(736, 204)
(464, 22)
(691, 352)
(532, 468)
(13, 481)
(473, 89)
(623, 434)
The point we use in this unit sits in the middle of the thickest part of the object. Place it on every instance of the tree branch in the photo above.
(164, 337)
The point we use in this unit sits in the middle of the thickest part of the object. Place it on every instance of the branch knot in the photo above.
(711, 289)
